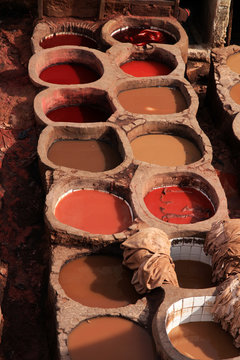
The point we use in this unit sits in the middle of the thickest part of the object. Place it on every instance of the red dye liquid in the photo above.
(178, 205)
(67, 39)
(69, 74)
(140, 68)
(141, 36)
(94, 211)
(77, 114)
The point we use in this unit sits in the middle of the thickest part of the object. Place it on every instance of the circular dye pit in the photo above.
(233, 62)
(98, 281)
(62, 39)
(86, 155)
(153, 100)
(203, 340)
(142, 36)
(193, 274)
(97, 212)
(144, 68)
(179, 205)
(78, 114)
(235, 93)
(165, 150)
(108, 338)
(67, 74)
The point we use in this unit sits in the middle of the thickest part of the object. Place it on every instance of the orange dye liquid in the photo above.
(94, 211)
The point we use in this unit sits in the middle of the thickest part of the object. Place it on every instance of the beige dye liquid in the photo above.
(165, 150)
(233, 62)
(193, 274)
(203, 340)
(235, 93)
(153, 100)
(110, 338)
(98, 281)
(87, 155)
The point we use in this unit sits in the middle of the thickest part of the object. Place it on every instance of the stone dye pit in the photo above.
(67, 74)
(61, 39)
(87, 155)
(179, 205)
(143, 36)
(94, 211)
(141, 68)
(102, 336)
(191, 332)
(127, 180)
(165, 150)
(146, 100)
(77, 114)
(192, 265)
(98, 281)
(55, 107)
(203, 340)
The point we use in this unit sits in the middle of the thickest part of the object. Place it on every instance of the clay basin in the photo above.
(66, 65)
(98, 281)
(168, 144)
(186, 330)
(181, 202)
(48, 35)
(104, 210)
(110, 337)
(63, 106)
(156, 98)
(100, 149)
(156, 61)
(142, 31)
(192, 265)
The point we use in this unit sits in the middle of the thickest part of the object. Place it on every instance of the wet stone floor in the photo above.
(23, 244)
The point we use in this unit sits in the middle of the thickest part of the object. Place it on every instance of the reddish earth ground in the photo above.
(23, 245)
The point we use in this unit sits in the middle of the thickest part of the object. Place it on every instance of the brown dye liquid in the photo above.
(193, 274)
(233, 62)
(153, 100)
(98, 281)
(165, 150)
(108, 338)
(203, 340)
(87, 155)
(235, 93)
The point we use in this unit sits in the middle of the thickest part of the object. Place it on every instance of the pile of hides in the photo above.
(226, 309)
(223, 244)
(147, 253)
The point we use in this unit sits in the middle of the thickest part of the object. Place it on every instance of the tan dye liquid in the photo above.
(153, 100)
(235, 93)
(165, 150)
(87, 155)
(193, 274)
(98, 281)
(203, 340)
(108, 338)
(233, 62)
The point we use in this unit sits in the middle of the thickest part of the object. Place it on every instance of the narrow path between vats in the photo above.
(22, 242)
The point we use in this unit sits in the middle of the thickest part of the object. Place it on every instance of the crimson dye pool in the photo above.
(73, 73)
(179, 205)
(143, 36)
(62, 39)
(78, 114)
(139, 68)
